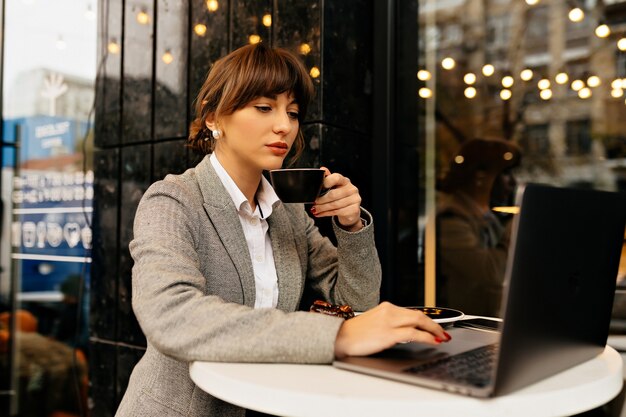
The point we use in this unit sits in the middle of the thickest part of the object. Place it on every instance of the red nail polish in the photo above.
(313, 210)
(447, 336)
(438, 340)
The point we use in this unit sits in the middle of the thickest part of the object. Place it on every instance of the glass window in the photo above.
(47, 193)
(540, 82)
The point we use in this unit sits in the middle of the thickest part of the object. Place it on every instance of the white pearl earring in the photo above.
(216, 133)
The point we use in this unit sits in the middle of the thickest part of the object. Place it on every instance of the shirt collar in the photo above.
(266, 196)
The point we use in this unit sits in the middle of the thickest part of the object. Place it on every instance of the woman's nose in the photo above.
(282, 124)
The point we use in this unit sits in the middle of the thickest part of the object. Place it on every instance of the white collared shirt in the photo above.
(255, 229)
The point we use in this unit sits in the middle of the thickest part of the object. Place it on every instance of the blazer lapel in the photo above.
(286, 259)
(224, 217)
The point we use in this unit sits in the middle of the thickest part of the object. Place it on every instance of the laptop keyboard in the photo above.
(468, 368)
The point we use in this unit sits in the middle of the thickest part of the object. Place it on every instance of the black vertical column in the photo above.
(395, 173)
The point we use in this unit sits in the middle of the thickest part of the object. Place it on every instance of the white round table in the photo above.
(315, 390)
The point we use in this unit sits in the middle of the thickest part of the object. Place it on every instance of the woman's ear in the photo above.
(210, 122)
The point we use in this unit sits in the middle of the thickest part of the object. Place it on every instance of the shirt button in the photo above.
(259, 258)
(254, 221)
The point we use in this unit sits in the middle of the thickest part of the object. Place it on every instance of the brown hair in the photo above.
(247, 73)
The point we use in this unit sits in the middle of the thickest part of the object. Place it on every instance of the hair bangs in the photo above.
(269, 72)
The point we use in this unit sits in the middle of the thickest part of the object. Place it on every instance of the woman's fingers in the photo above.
(383, 327)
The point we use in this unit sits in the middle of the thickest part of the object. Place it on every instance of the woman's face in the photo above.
(258, 136)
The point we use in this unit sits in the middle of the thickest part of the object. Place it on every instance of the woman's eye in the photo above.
(263, 109)
(293, 115)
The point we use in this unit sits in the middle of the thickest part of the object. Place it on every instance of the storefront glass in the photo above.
(548, 78)
(47, 191)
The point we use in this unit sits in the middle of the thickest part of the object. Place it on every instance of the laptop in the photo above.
(556, 305)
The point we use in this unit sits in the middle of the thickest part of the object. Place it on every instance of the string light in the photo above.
(532, 2)
(470, 92)
(561, 78)
(488, 70)
(593, 81)
(577, 85)
(505, 94)
(114, 48)
(576, 14)
(267, 20)
(543, 84)
(448, 63)
(423, 75)
(617, 92)
(526, 74)
(507, 81)
(314, 72)
(603, 31)
(469, 78)
(142, 17)
(546, 94)
(621, 44)
(584, 93)
(254, 39)
(425, 92)
(200, 29)
(212, 5)
(617, 83)
(167, 57)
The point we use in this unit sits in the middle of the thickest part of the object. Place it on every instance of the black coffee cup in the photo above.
(297, 185)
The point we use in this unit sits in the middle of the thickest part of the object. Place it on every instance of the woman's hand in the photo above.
(384, 326)
(342, 200)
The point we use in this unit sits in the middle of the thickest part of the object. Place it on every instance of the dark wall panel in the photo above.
(105, 244)
(170, 92)
(137, 71)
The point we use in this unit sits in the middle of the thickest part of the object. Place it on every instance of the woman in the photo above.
(221, 264)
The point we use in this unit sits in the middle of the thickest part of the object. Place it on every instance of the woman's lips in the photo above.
(278, 148)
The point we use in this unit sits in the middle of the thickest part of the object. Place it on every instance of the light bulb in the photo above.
(252, 39)
(142, 18)
(488, 70)
(314, 72)
(267, 20)
(621, 44)
(543, 84)
(212, 5)
(505, 94)
(425, 92)
(561, 78)
(114, 48)
(167, 57)
(584, 93)
(593, 81)
(603, 31)
(577, 85)
(200, 29)
(423, 75)
(617, 83)
(576, 14)
(526, 74)
(532, 2)
(617, 92)
(448, 63)
(507, 81)
(470, 92)
(469, 78)
(546, 94)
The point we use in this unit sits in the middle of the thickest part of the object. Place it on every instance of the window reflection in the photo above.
(47, 193)
(543, 75)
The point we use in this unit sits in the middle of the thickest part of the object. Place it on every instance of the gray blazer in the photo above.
(194, 291)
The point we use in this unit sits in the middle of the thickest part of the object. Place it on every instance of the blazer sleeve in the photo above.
(181, 320)
(349, 273)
